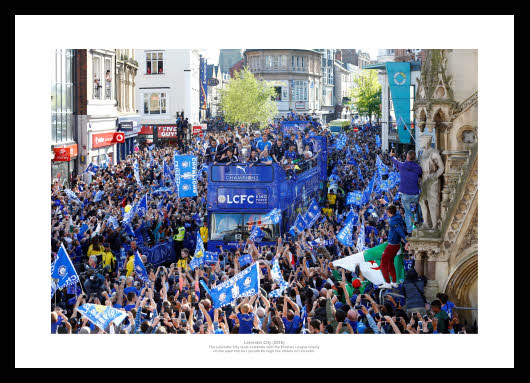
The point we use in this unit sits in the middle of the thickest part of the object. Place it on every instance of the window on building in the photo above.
(300, 91)
(62, 97)
(155, 103)
(96, 70)
(154, 62)
(278, 93)
(108, 79)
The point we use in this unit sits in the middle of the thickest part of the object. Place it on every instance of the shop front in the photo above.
(167, 134)
(103, 148)
(63, 164)
(131, 128)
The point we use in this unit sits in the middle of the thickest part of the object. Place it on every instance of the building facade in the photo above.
(447, 108)
(214, 91)
(354, 56)
(102, 112)
(344, 76)
(294, 73)
(166, 87)
(128, 120)
(63, 121)
(328, 111)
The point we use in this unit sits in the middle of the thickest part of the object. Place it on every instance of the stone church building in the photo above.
(446, 106)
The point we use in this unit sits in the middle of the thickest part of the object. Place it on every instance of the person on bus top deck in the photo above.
(277, 150)
(264, 144)
(233, 146)
(290, 141)
(253, 156)
(221, 148)
(257, 138)
(307, 142)
(292, 153)
(228, 157)
(263, 158)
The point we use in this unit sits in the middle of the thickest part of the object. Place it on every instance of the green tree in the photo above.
(245, 99)
(366, 94)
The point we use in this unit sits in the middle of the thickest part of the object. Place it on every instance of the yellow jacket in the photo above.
(204, 234)
(130, 265)
(183, 263)
(327, 212)
(332, 198)
(91, 251)
(109, 259)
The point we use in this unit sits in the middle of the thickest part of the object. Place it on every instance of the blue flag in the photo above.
(277, 278)
(345, 235)
(72, 196)
(198, 256)
(102, 316)
(312, 214)
(354, 198)
(92, 169)
(360, 173)
(210, 258)
(300, 223)
(273, 216)
(63, 269)
(361, 240)
(245, 259)
(378, 140)
(140, 268)
(113, 222)
(382, 169)
(186, 175)
(256, 235)
(141, 210)
(243, 284)
(162, 190)
(136, 169)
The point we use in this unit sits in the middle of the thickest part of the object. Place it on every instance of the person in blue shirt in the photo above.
(447, 305)
(247, 320)
(264, 144)
(396, 234)
(291, 319)
(99, 194)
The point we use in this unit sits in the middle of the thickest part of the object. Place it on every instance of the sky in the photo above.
(212, 55)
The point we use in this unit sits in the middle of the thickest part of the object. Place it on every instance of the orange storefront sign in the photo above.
(65, 153)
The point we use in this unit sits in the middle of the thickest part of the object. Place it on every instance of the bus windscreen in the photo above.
(230, 227)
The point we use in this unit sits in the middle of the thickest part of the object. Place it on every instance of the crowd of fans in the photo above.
(320, 298)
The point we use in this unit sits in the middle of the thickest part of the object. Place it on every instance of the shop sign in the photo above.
(126, 125)
(71, 150)
(102, 139)
(61, 154)
(168, 131)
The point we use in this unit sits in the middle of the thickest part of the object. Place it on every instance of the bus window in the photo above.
(226, 227)
(272, 232)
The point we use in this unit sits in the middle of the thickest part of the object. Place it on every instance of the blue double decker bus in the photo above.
(239, 195)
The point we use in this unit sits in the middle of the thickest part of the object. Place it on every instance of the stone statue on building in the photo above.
(432, 166)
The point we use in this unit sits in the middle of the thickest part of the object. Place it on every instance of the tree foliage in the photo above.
(366, 93)
(245, 99)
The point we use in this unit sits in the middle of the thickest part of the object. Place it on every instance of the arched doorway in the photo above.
(462, 288)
